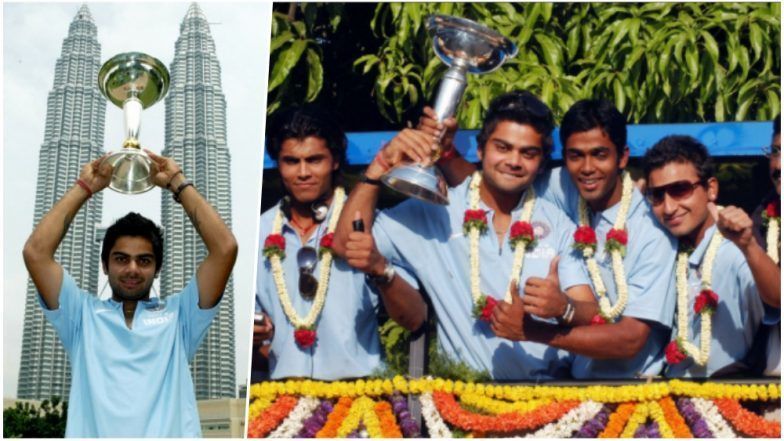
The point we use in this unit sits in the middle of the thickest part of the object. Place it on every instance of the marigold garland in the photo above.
(618, 420)
(335, 419)
(271, 417)
(636, 419)
(676, 422)
(747, 422)
(360, 411)
(389, 428)
(498, 406)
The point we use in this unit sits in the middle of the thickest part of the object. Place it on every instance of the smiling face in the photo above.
(306, 167)
(131, 268)
(511, 157)
(595, 166)
(684, 212)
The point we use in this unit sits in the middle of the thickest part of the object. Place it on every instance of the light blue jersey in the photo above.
(740, 311)
(649, 265)
(347, 344)
(428, 240)
(130, 383)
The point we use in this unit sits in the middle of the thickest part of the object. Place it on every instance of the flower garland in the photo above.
(436, 426)
(595, 425)
(292, 425)
(386, 419)
(674, 419)
(618, 420)
(695, 421)
(271, 418)
(636, 419)
(772, 217)
(361, 411)
(521, 237)
(408, 426)
(315, 422)
(336, 418)
(274, 250)
(496, 407)
(570, 423)
(713, 419)
(617, 238)
(747, 422)
(656, 413)
(705, 304)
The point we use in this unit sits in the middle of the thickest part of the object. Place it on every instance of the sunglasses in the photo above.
(773, 151)
(676, 190)
(306, 261)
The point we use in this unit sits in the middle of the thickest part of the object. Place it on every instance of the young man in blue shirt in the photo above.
(326, 331)
(465, 273)
(723, 276)
(129, 354)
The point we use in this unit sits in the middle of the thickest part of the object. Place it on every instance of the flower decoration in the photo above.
(325, 245)
(616, 240)
(275, 245)
(305, 337)
(585, 239)
(483, 309)
(475, 219)
(522, 233)
(598, 319)
(674, 353)
(772, 210)
(706, 301)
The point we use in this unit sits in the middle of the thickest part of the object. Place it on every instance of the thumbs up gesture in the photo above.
(543, 296)
(734, 224)
(507, 319)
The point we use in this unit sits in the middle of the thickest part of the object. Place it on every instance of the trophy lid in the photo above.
(479, 47)
(133, 74)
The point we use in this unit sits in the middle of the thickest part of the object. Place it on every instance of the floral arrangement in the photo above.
(771, 217)
(379, 409)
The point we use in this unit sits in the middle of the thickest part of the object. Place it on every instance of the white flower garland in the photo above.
(473, 240)
(569, 423)
(699, 355)
(716, 423)
(298, 322)
(773, 239)
(436, 426)
(293, 423)
(609, 311)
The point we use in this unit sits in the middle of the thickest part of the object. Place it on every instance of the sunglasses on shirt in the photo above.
(306, 261)
(676, 190)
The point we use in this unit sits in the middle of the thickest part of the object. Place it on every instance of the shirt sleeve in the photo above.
(750, 299)
(393, 223)
(195, 321)
(66, 319)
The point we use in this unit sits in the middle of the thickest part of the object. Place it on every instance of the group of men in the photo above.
(534, 273)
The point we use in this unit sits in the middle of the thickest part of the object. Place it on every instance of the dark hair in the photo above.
(134, 224)
(586, 115)
(305, 121)
(777, 125)
(520, 107)
(679, 148)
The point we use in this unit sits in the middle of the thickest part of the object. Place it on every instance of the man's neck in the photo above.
(497, 200)
(302, 215)
(610, 199)
(695, 237)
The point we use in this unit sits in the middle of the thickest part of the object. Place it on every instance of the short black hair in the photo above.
(587, 115)
(520, 107)
(135, 225)
(777, 125)
(679, 148)
(303, 122)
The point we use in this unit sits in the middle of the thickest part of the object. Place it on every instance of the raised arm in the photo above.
(454, 167)
(40, 247)
(214, 271)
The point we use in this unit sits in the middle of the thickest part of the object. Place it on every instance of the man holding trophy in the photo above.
(129, 354)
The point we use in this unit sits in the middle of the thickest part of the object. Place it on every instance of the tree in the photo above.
(25, 420)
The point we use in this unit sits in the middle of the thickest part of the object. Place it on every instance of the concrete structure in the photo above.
(223, 418)
(196, 139)
(74, 135)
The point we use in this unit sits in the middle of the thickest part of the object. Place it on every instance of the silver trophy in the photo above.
(465, 46)
(132, 81)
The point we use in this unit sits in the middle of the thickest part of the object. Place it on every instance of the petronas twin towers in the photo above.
(195, 138)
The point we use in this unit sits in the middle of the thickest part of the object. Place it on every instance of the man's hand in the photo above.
(507, 319)
(734, 224)
(262, 330)
(97, 174)
(165, 173)
(543, 297)
(362, 254)
(409, 145)
(444, 130)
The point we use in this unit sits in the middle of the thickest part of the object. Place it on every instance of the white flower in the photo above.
(436, 426)
(293, 423)
(569, 423)
(716, 423)
(772, 239)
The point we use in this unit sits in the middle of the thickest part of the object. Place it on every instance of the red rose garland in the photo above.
(673, 353)
(616, 240)
(706, 299)
(325, 245)
(305, 337)
(522, 232)
(483, 310)
(585, 238)
(773, 210)
(475, 219)
(275, 245)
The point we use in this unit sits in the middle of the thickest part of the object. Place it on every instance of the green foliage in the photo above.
(395, 339)
(25, 420)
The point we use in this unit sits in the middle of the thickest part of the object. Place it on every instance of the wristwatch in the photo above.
(568, 314)
(384, 278)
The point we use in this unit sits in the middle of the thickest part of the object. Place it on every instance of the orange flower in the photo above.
(747, 422)
(618, 420)
(673, 417)
(335, 418)
(271, 417)
(389, 426)
(455, 415)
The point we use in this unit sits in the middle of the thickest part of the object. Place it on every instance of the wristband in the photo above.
(449, 154)
(168, 184)
(85, 187)
(179, 190)
(381, 161)
(364, 179)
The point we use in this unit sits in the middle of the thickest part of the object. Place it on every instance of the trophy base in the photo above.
(132, 171)
(413, 180)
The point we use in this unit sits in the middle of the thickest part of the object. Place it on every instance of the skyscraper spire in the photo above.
(73, 136)
(196, 139)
